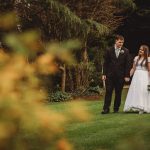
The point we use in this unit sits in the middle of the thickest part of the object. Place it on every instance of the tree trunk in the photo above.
(85, 71)
(70, 83)
(82, 71)
(63, 80)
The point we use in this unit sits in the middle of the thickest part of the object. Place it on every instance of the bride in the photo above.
(138, 97)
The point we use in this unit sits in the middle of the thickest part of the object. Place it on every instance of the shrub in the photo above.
(26, 123)
(90, 91)
(59, 96)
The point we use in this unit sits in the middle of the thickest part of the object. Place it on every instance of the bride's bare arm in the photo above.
(149, 66)
(132, 70)
(134, 66)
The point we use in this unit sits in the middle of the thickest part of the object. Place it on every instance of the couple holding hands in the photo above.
(116, 71)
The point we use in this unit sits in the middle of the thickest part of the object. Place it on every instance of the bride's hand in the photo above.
(127, 79)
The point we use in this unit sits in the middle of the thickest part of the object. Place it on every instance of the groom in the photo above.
(115, 71)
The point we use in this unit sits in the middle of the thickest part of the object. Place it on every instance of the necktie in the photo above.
(117, 52)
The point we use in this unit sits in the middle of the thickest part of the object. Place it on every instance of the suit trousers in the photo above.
(113, 83)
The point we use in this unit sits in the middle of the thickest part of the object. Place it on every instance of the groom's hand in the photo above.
(103, 77)
(127, 79)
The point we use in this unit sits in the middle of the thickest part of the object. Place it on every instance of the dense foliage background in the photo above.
(92, 23)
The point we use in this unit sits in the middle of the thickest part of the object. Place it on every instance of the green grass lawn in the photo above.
(107, 131)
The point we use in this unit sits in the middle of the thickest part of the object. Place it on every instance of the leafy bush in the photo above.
(26, 123)
(93, 91)
(59, 96)
(90, 91)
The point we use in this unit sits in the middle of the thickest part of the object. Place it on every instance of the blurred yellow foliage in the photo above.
(64, 145)
(8, 21)
(25, 120)
(45, 64)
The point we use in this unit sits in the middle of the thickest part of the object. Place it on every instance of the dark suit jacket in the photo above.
(116, 67)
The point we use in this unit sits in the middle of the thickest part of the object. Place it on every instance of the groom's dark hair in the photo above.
(119, 37)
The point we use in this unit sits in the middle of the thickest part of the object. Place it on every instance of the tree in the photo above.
(61, 20)
(56, 21)
(136, 27)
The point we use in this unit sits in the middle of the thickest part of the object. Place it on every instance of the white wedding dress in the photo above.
(138, 97)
